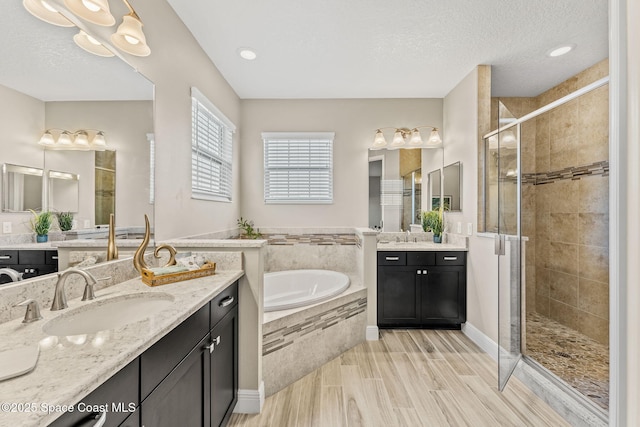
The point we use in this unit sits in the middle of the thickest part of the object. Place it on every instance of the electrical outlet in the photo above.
(459, 228)
(6, 227)
(74, 224)
(469, 228)
(87, 223)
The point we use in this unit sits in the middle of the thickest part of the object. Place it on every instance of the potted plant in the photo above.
(434, 221)
(65, 220)
(41, 224)
(248, 232)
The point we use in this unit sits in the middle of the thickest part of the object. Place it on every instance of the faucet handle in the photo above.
(33, 310)
(89, 290)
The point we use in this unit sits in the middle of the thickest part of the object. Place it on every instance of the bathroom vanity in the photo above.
(177, 367)
(421, 288)
(31, 262)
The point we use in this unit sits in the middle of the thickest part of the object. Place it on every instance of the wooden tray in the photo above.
(149, 278)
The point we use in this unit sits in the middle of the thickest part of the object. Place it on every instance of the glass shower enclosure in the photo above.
(546, 200)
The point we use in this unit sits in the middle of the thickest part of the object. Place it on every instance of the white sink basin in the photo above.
(107, 314)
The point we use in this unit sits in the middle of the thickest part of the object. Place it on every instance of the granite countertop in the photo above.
(67, 372)
(420, 246)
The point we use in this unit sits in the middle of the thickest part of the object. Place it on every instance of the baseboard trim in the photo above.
(372, 333)
(250, 401)
(483, 341)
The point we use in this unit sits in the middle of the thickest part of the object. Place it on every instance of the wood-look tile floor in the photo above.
(409, 378)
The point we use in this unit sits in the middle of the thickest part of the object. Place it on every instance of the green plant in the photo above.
(248, 231)
(41, 222)
(65, 220)
(433, 221)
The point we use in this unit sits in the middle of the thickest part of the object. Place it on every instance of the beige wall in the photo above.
(22, 122)
(354, 122)
(175, 65)
(462, 108)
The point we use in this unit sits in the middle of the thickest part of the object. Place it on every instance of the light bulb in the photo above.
(90, 5)
(48, 6)
(131, 40)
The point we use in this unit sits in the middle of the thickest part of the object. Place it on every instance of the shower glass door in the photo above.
(503, 183)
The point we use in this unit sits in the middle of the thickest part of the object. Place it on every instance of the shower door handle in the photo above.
(499, 244)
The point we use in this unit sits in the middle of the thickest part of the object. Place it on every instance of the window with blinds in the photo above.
(298, 167)
(211, 150)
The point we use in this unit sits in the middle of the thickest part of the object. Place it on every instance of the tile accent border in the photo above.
(283, 337)
(573, 173)
(311, 239)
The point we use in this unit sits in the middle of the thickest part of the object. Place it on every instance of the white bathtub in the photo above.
(297, 288)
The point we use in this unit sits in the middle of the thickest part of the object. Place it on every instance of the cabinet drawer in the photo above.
(223, 304)
(421, 258)
(450, 258)
(51, 257)
(158, 361)
(31, 257)
(8, 257)
(117, 396)
(392, 258)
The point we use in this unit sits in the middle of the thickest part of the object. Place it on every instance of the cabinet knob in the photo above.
(419, 272)
(424, 271)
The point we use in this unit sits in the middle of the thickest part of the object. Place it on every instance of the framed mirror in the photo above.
(434, 189)
(22, 188)
(453, 186)
(63, 191)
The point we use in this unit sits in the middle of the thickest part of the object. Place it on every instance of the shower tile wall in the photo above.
(565, 205)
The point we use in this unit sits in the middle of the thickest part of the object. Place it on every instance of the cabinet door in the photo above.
(398, 296)
(183, 398)
(111, 401)
(444, 296)
(224, 368)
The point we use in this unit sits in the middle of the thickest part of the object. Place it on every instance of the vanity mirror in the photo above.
(47, 81)
(452, 187)
(21, 188)
(63, 191)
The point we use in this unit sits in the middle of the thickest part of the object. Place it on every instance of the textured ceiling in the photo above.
(42, 60)
(394, 48)
(328, 48)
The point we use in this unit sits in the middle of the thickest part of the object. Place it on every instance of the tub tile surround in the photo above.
(67, 372)
(302, 340)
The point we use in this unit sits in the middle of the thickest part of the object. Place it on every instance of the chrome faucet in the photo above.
(13, 274)
(60, 298)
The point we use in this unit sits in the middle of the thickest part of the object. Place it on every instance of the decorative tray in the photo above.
(149, 278)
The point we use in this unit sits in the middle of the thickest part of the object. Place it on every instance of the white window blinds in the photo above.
(298, 167)
(211, 150)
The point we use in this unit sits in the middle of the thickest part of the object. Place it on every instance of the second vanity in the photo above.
(175, 359)
(421, 285)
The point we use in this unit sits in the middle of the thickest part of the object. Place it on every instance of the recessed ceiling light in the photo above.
(247, 53)
(562, 50)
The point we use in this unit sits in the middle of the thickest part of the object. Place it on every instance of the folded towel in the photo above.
(160, 271)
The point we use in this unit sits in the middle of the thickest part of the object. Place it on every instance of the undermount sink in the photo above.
(107, 314)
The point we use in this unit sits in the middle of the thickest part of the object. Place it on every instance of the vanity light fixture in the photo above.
(94, 11)
(91, 45)
(401, 135)
(78, 140)
(41, 9)
(129, 38)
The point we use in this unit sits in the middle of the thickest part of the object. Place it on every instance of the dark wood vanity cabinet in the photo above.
(188, 378)
(422, 289)
(202, 389)
(29, 262)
